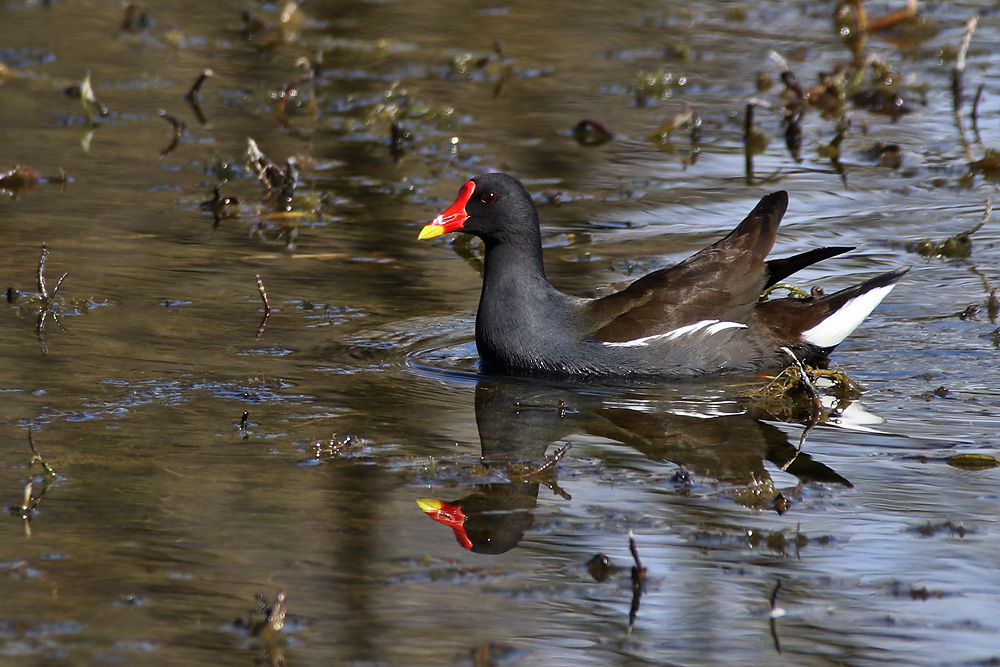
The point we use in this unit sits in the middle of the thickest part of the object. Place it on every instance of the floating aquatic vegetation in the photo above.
(988, 166)
(973, 461)
(886, 102)
(265, 626)
(19, 179)
(754, 139)
(831, 151)
(591, 133)
(136, 18)
(88, 100)
(655, 86)
(793, 291)
(399, 138)
(792, 395)
(281, 186)
(301, 91)
(686, 120)
(30, 500)
(47, 300)
(851, 20)
(969, 462)
(270, 33)
(868, 83)
(220, 207)
(490, 67)
(884, 155)
(759, 494)
(22, 179)
(958, 246)
(280, 183)
(600, 567)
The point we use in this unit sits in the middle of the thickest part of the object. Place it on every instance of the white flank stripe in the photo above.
(839, 324)
(722, 326)
(710, 327)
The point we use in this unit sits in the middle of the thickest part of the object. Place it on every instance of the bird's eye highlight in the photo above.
(489, 198)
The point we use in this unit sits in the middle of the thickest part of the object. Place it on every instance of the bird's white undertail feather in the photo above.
(839, 324)
(708, 327)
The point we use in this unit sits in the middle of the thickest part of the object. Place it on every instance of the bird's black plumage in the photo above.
(703, 315)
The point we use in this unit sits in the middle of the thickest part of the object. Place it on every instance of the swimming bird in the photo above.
(702, 316)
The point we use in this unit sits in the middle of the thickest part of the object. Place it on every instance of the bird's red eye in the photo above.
(489, 198)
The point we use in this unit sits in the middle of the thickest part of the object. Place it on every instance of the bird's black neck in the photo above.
(520, 313)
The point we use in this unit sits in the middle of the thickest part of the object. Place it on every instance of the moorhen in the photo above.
(704, 315)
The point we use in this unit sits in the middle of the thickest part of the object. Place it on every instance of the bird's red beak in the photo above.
(447, 513)
(453, 217)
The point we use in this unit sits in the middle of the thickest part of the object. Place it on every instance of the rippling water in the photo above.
(166, 517)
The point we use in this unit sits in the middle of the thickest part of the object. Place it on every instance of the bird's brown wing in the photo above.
(723, 282)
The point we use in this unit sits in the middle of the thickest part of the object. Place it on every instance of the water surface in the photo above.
(165, 518)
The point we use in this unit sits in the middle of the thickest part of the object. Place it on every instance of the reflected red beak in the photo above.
(448, 514)
(452, 218)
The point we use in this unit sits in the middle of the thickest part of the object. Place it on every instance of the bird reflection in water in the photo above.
(519, 419)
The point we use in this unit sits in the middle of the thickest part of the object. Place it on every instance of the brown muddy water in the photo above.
(164, 519)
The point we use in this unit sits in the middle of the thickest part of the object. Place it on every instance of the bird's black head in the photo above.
(492, 206)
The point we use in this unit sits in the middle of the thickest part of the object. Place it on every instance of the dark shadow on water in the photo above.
(518, 420)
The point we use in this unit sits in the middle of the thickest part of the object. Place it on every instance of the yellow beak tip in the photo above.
(430, 231)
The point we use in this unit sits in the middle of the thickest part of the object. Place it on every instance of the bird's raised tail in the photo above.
(831, 318)
(779, 269)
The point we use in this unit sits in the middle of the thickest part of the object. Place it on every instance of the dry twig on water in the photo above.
(178, 129)
(957, 76)
(267, 306)
(47, 300)
(775, 613)
(548, 466)
(638, 581)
